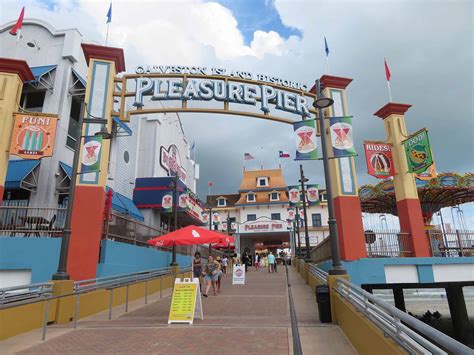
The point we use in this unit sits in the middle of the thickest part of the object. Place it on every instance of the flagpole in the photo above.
(327, 64)
(107, 34)
(389, 91)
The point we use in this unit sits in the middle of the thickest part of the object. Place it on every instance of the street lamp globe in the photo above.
(323, 102)
(104, 133)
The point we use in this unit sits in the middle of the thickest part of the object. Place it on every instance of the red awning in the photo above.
(189, 235)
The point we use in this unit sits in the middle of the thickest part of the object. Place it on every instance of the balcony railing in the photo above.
(451, 244)
(387, 244)
(20, 221)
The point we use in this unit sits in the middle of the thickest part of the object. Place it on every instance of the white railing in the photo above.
(407, 331)
(318, 273)
(25, 292)
(31, 221)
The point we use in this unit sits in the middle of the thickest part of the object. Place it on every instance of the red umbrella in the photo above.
(225, 243)
(189, 235)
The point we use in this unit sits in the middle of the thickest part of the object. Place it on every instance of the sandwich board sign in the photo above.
(238, 275)
(186, 301)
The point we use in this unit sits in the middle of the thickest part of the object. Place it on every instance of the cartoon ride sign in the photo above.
(33, 135)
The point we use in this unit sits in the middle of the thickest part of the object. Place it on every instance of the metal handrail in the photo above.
(25, 292)
(318, 273)
(397, 324)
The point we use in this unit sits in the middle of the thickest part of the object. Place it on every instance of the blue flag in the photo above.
(109, 14)
(193, 146)
(326, 47)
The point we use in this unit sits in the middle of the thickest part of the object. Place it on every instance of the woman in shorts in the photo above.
(211, 274)
(197, 267)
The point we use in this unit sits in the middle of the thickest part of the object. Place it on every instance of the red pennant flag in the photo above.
(387, 70)
(210, 183)
(19, 23)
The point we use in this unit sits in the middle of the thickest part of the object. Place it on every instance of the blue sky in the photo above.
(253, 15)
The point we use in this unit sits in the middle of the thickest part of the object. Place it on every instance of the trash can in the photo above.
(324, 303)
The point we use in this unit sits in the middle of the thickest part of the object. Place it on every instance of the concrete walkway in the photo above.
(249, 319)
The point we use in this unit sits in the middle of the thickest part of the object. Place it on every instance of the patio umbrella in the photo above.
(189, 235)
(225, 243)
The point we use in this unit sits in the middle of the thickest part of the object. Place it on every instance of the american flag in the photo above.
(248, 156)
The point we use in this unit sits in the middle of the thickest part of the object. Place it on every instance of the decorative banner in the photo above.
(378, 156)
(289, 225)
(90, 158)
(305, 137)
(224, 226)
(291, 214)
(428, 174)
(312, 194)
(33, 136)
(341, 136)
(216, 218)
(183, 201)
(294, 194)
(301, 212)
(233, 226)
(205, 217)
(167, 203)
(418, 152)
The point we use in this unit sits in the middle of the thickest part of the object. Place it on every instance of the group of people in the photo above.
(260, 260)
(212, 272)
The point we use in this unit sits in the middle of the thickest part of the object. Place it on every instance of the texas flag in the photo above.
(284, 154)
(15, 31)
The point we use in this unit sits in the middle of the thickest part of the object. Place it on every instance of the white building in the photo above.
(260, 211)
(57, 61)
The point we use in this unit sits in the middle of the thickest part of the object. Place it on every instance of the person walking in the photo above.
(197, 267)
(245, 260)
(271, 262)
(224, 264)
(257, 261)
(219, 274)
(211, 274)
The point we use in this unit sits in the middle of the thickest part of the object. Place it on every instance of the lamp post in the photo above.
(174, 186)
(297, 219)
(321, 103)
(303, 180)
(61, 273)
(228, 232)
(209, 206)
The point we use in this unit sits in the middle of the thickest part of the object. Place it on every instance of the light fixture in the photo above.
(104, 133)
(323, 102)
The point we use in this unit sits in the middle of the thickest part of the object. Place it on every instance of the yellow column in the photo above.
(12, 75)
(406, 193)
(347, 208)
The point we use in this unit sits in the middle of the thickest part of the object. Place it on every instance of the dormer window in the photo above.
(221, 202)
(250, 197)
(324, 197)
(274, 196)
(262, 181)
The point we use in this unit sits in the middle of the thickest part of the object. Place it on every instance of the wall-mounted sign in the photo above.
(33, 135)
(418, 152)
(379, 159)
(91, 151)
(171, 162)
(263, 227)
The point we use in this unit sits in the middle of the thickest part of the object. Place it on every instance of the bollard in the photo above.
(76, 311)
(45, 322)
(146, 291)
(110, 303)
(126, 300)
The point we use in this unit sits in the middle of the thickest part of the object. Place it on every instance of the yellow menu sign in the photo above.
(183, 303)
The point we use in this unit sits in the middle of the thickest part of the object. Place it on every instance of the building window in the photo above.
(250, 197)
(76, 109)
(126, 157)
(33, 101)
(316, 217)
(221, 202)
(324, 197)
(274, 196)
(251, 217)
(276, 216)
(262, 182)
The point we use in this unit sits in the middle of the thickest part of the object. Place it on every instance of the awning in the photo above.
(122, 129)
(123, 204)
(66, 168)
(43, 78)
(20, 174)
(78, 86)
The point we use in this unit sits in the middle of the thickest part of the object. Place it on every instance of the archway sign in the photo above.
(189, 84)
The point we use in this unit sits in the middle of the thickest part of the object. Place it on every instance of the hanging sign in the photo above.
(418, 152)
(183, 201)
(291, 214)
(378, 156)
(33, 136)
(186, 296)
(294, 194)
(91, 151)
(171, 162)
(341, 136)
(224, 226)
(233, 226)
(205, 217)
(216, 218)
(167, 203)
(312, 194)
(305, 138)
(238, 275)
